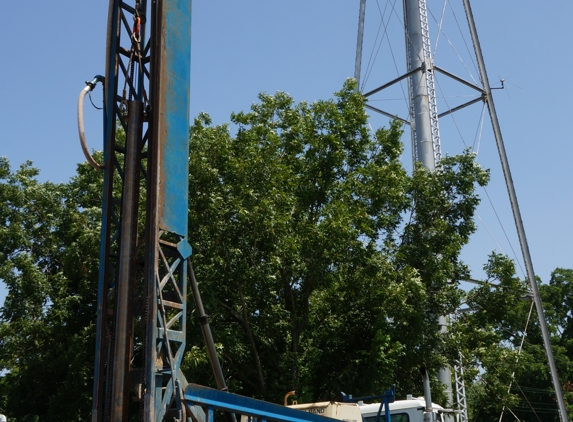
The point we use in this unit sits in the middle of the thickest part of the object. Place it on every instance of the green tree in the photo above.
(502, 346)
(324, 265)
(49, 235)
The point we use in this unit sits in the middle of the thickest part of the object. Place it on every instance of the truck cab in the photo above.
(410, 410)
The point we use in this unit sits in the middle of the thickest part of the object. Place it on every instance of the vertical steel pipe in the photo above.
(206, 329)
(127, 259)
(103, 340)
(420, 96)
(208, 337)
(359, 42)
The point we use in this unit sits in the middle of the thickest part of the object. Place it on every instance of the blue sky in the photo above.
(307, 48)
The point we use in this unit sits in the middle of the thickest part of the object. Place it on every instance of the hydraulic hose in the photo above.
(89, 87)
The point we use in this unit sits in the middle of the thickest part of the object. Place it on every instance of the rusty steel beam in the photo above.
(127, 256)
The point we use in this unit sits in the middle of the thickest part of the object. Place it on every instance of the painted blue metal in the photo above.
(184, 248)
(173, 120)
(234, 403)
(170, 108)
(110, 83)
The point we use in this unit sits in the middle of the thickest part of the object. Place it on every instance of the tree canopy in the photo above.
(318, 251)
(49, 236)
(323, 264)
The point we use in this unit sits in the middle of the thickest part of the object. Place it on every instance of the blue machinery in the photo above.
(144, 251)
(142, 285)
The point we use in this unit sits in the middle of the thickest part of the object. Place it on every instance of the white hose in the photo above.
(81, 131)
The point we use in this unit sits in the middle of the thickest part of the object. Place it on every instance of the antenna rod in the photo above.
(359, 43)
(516, 213)
(419, 100)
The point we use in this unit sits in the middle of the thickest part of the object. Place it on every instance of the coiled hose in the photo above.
(89, 86)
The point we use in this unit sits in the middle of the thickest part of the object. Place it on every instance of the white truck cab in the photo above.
(411, 410)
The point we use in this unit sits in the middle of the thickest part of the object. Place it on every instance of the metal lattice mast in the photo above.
(429, 73)
(142, 285)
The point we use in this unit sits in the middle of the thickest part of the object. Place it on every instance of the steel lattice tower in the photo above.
(141, 318)
(423, 121)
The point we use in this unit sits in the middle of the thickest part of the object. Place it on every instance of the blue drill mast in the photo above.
(142, 291)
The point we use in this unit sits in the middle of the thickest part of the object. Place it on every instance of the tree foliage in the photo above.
(49, 235)
(323, 264)
(326, 266)
(501, 344)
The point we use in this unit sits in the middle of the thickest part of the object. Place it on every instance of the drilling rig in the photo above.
(145, 268)
(144, 252)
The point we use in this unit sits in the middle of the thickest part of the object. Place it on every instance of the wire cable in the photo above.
(530, 405)
(454, 49)
(439, 29)
(504, 232)
(519, 354)
(479, 131)
(451, 114)
(465, 42)
(91, 101)
(490, 234)
(371, 59)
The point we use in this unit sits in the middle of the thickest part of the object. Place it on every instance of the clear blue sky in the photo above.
(307, 48)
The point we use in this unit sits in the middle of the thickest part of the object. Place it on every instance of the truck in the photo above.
(409, 410)
(420, 409)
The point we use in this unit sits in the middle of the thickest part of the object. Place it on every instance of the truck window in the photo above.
(394, 417)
